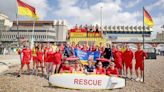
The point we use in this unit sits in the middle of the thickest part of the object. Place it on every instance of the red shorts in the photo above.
(56, 62)
(34, 58)
(25, 61)
(49, 58)
(119, 65)
(128, 65)
(141, 66)
(38, 61)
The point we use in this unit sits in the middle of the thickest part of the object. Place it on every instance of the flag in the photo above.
(148, 19)
(26, 10)
(84, 55)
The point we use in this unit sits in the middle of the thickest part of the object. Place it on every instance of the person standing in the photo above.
(61, 47)
(27, 54)
(93, 47)
(57, 57)
(67, 50)
(46, 49)
(108, 51)
(39, 54)
(118, 59)
(34, 55)
(49, 60)
(140, 56)
(85, 47)
(101, 48)
(127, 58)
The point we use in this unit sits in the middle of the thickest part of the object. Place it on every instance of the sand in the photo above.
(154, 81)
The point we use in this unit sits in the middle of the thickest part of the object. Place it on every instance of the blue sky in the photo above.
(115, 12)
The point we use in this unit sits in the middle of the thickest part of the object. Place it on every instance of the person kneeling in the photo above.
(78, 67)
(100, 69)
(90, 68)
(111, 70)
(66, 68)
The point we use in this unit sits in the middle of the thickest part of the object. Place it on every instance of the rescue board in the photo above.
(83, 81)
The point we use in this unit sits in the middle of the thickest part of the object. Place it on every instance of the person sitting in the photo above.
(90, 68)
(78, 67)
(111, 70)
(66, 68)
(100, 69)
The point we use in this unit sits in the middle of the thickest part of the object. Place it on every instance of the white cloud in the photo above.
(41, 7)
(132, 3)
(158, 22)
(67, 3)
(158, 3)
(113, 14)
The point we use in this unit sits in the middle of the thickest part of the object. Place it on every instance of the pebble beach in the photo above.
(154, 81)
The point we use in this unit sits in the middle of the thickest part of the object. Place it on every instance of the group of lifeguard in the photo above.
(123, 59)
(49, 59)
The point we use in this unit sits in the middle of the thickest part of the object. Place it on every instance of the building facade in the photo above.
(159, 37)
(127, 33)
(5, 24)
(39, 31)
(42, 31)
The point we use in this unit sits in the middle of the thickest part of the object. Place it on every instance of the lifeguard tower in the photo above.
(82, 35)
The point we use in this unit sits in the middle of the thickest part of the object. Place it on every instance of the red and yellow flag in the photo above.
(148, 19)
(26, 10)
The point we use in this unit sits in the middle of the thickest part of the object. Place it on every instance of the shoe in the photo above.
(137, 79)
(141, 80)
(18, 75)
(131, 78)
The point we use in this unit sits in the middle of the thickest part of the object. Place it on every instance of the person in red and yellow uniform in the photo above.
(100, 69)
(39, 55)
(61, 47)
(27, 54)
(57, 57)
(128, 57)
(48, 58)
(140, 55)
(93, 47)
(34, 55)
(85, 47)
(118, 59)
(46, 49)
(111, 70)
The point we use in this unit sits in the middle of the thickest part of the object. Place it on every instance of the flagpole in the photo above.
(17, 25)
(143, 36)
(32, 40)
(101, 20)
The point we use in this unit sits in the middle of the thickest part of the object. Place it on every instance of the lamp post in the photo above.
(101, 19)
